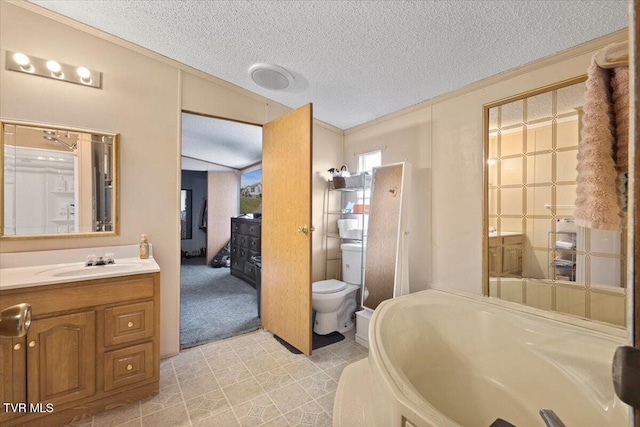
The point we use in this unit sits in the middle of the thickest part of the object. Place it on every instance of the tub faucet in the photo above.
(550, 418)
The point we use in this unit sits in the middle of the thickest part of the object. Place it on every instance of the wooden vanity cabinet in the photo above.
(92, 346)
(505, 256)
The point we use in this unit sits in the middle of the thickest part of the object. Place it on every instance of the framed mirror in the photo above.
(534, 253)
(58, 182)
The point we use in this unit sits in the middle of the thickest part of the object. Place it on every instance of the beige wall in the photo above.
(404, 138)
(141, 99)
(223, 193)
(447, 132)
(327, 153)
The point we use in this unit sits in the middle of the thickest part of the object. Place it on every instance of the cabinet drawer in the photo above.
(128, 366)
(128, 323)
(495, 241)
(513, 240)
(243, 240)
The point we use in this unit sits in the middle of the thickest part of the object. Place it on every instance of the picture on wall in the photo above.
(251, 192)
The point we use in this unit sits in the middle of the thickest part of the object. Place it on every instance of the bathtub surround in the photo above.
(419, 368)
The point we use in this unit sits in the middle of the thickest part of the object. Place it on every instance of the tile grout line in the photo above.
(184, 402)
(222, 389)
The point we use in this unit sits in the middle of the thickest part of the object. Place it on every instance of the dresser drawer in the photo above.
(254, 244)
(250, 269)
(127, 323)
(253, 230)
(237, 264)
(128, 366)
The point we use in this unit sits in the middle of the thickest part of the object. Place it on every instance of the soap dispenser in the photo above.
(144, 247)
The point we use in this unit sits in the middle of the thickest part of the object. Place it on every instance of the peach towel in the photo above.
(603, 148)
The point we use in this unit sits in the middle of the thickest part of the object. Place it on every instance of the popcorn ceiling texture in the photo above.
(355, 60)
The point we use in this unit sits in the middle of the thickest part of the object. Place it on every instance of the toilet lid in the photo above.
(328, 286)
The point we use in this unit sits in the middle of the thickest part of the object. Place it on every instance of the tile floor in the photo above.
(250, 380)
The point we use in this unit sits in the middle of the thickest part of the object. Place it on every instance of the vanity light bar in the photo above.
(18, 61)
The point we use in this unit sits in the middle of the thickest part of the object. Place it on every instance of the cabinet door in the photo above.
(495, 261)
(512, 259)
(61, 365)
(13, 380)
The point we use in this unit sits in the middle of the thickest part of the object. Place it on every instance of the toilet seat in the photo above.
(328, 286)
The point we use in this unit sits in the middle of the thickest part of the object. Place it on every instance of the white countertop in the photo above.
(26, 269)
(504, 233)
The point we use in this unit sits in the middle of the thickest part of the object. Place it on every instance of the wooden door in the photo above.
(13, 378)
(286, 211)
(61, 365)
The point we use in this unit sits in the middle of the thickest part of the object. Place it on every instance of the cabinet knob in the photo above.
(17, 346)
(32, 344)
(129, 367)
(130, 325)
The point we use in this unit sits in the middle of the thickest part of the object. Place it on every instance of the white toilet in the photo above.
(334, 301)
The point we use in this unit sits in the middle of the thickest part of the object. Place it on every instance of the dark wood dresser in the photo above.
(245, 243)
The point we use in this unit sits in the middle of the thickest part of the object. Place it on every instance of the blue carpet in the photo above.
(214, 304)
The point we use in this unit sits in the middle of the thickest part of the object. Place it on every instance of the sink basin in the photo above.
(82, 271)
(20, 270)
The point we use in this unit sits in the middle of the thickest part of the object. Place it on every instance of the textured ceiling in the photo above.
(355, 60)
(217, 145)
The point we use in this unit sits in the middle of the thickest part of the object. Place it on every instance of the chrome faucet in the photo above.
(550, 418)
(93, 260)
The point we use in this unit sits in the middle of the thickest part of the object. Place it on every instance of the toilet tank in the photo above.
(352, 262)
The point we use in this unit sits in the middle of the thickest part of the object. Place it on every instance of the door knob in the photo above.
(15, 320)
(305, 229)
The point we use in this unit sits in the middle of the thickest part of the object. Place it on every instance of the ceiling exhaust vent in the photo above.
(270, 76)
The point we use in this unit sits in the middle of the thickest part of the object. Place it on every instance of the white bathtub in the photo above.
(442, 359)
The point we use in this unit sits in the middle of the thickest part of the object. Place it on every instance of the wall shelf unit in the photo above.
(562, 255)
(345, 220)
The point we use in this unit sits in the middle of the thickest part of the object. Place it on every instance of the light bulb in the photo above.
(21, 59)
(84, 72)
(53, 66)
(85, 75)
(24, 62)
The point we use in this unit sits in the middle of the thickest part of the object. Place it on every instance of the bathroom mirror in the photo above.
(534, 253)
(386, 266)
(58, 182)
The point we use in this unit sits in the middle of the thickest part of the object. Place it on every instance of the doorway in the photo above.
(216, 155)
